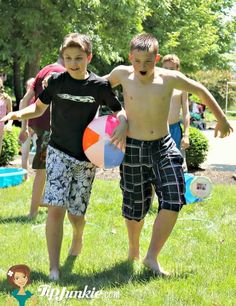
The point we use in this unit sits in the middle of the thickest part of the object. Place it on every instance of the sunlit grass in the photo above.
(200, 252)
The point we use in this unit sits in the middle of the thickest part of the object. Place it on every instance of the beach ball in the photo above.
(96, 142)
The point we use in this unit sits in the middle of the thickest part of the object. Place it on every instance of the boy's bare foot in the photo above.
(155, 267)
(133, 257)
(133, 254)
(76, 247)
(54, 275)
(32, 215)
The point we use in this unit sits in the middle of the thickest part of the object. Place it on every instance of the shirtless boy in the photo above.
(179, 102)
(151, 156)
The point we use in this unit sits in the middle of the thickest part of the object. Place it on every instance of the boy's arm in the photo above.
(115, 76)
(186, 120)
(181, 82)
(24, 102)
(9, 109)
(32, 111)
(119, 135)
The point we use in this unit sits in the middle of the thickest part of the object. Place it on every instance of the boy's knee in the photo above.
(56, 213)
(77, 221)
(130, 219)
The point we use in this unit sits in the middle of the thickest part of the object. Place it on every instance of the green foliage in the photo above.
(32, 27)
(10, 146)
(197, 151)
(31, 32)
(216, 82)
(196, 31)
(111, 25)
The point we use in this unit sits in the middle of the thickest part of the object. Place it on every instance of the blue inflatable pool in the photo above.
(11, 176)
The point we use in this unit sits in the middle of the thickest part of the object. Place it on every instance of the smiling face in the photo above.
(144, 63)
(76, 62)
(20, 279)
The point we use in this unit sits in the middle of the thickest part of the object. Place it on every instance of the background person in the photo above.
(41, 126)
(179, 106)
(5, 108)
(25, 145)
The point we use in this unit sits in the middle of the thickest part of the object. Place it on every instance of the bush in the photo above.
(10, 146)
(197, 152)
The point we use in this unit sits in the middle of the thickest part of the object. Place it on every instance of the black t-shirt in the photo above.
(74, 105)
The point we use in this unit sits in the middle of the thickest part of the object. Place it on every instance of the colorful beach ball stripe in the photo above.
(96, 143)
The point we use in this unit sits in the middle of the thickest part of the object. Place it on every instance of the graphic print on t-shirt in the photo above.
(82, 99)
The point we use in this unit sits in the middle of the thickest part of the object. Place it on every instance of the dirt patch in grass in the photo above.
(217, 177)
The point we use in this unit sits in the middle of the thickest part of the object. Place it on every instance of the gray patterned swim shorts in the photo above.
(69, 182)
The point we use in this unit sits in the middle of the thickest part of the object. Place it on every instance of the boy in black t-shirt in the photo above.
(75, 96)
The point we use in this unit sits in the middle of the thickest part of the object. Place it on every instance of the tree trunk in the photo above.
(31, 68)
(17, 78)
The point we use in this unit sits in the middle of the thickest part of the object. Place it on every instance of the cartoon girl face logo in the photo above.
(19, 276)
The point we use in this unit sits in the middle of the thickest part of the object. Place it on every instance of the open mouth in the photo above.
(143, 72)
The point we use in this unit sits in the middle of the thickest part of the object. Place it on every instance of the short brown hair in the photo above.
(18, 268)
(144, 42)
(171, 58)
(81, 41)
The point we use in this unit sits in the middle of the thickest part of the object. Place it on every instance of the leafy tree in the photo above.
(29, 29)
(195, 30)
(32, 31)
(216, 81)
(110, 24)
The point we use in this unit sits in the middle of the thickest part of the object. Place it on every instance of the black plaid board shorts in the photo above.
(147, 163)
(69, 182)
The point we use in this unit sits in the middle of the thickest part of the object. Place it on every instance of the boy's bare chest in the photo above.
(149, 94)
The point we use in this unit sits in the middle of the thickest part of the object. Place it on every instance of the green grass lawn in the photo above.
(200, 253)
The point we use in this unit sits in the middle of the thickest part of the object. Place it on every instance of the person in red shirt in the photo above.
(41, 127)
(25, 145)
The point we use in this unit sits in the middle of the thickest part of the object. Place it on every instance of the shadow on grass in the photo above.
(117, 276)
(35, 276)
(23, 219)
(5, 286)
(148, 275)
